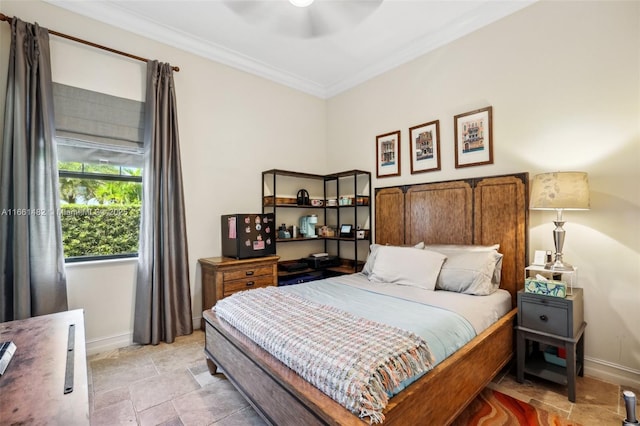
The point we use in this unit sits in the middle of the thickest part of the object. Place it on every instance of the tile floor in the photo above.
(169, 384)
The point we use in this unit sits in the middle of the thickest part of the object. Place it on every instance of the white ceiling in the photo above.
(322, 50)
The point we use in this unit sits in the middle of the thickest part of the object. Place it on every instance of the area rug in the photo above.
(492, 408)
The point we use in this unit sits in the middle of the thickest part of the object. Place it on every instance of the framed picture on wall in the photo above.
(474, 143)
(388, 154)
(425, 147)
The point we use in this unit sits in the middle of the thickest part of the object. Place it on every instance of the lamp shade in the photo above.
(560, 190)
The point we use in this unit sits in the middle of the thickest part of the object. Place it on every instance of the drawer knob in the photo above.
(250, 283)
(544, 318)
(249, 273)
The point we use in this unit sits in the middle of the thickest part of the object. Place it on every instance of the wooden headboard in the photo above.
(485, 210)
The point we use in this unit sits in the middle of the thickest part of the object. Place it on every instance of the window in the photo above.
(100, 210)
(99, 143)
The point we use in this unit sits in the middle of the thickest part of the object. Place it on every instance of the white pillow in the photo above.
(407, 266)
(461, 247)
(470, 271)
(373, 250)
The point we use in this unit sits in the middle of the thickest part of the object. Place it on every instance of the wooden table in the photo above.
(33, 385)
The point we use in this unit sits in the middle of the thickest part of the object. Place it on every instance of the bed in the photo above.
(478, 211)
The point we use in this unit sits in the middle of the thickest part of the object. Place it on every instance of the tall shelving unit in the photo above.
(352, 192)
(354, 186)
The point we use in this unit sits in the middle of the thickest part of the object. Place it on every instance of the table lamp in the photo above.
(560, 191)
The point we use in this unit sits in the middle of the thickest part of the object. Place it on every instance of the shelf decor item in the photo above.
(560, 191)
(425, 147)
(473, 136)
(542, 273)
(388, 154)
(551, 288)
(551, 355)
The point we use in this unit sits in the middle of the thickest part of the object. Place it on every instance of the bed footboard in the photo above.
(282, 397)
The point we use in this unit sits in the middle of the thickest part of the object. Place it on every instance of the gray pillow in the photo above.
(469, 269)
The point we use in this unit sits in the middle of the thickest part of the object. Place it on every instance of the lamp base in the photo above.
(558, 241)
(558, 265)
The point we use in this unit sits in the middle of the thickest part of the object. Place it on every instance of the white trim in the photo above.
(85, 263)
(611, 372)
(106, 344)
(111, 13)
(111, 343)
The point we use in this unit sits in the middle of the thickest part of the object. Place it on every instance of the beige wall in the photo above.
(564, 82)
(565, 94)
(233, 125)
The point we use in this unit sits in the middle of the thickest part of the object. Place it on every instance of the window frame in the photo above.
(99, 176)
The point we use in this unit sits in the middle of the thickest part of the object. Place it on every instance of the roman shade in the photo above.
(93, 127)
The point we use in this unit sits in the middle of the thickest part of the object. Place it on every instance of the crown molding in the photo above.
(114, 15)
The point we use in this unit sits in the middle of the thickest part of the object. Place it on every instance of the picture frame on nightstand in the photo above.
(539, 258)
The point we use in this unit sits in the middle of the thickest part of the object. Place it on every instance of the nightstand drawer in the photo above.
(247, 273)
(554, 315)
(545, 318)
(231, 287)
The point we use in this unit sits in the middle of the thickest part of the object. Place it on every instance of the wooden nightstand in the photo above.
(552, 321)
(223, 276)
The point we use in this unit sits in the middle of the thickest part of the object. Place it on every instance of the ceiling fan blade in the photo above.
(321, 18)
(251, 11)
(331, 16)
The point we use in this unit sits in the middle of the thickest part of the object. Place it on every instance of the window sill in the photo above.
(97, 261)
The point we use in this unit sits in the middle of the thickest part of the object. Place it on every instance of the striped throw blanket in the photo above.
(355, 361)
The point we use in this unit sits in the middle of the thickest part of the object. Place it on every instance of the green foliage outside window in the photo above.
(73, 189)
(99, 217)
(99, 230)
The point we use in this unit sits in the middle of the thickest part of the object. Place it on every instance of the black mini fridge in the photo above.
(246, 235)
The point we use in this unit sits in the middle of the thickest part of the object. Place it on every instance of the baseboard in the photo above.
(611, 372)
(111, 343)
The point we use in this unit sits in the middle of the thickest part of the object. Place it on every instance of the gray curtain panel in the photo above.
(31, 255)
(163, 294)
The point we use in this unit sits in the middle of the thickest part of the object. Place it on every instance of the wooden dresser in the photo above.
(223, 276)
(33, 386)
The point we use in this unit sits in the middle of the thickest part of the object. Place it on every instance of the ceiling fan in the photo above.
(303, 18)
